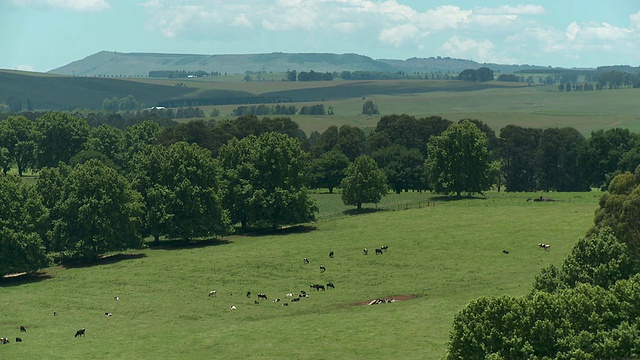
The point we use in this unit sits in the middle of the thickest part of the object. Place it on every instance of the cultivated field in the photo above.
(443, 255)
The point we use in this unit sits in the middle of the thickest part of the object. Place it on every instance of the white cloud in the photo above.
(399, 35)
(521, 9)
(25, 68)
(483, 51)
(75, 5)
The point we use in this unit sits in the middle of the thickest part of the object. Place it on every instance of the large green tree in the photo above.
(265, 181)
(22, 224)
(93, 210)
(59, 136)
(403, 167)
(518, 150)
(180, 186)
(364, 182)
(459, 161)
(327, 171)
(557, 160)
(17, 135)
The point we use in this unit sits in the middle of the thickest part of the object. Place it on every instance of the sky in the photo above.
(41, 35)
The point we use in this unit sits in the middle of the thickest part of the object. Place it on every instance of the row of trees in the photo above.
(586, 309)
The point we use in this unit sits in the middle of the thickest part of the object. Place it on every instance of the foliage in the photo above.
(105, 139)
(59, 136)
(264, 177)
(93, 210)
(22, 221)
(17, 136)
(134, 139)
(405, 130)
(363, 182)
(619, 209)
(557, 160)
(180, 190)
(404, 168)
(518, 151)
(598, 259)
(328, 170)
(370, 108)
(459, 160)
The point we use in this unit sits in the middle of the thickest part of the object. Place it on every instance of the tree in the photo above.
(363, 182)
(557, 160)
(106, 140)
(327, 171)
(459, 160)
(22, 224)
(404, 168)
(135, 138)
(327, 141)
(370, 108)
(180, 187)
(518, 150)
(59, 136)
(265, 181)
(94, 211)
(17, 135)
(351, 141)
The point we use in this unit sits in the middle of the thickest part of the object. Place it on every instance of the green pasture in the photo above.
(443, 254)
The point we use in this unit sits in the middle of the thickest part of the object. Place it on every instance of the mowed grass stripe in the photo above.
(445, 255)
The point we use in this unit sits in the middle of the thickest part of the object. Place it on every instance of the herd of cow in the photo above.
(302, 294)
(260, 296)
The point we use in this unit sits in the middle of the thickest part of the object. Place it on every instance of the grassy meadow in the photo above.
(443, 255)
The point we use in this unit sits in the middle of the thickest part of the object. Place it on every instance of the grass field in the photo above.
(444, 254)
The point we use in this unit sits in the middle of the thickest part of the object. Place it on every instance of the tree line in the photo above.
(254, 172)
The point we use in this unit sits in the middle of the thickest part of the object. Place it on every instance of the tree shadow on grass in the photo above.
(295, 229)
(176, 244)
(457, 198)
(23, 278)
(351, 212)
(102, 260)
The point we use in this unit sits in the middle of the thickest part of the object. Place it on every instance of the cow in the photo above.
(544, 246)
(4, 341)
(317, 287)
(233, 307)
(331, 254)
(55, 313)
(256, 302)
(384, 247)
(116, 298)
(295, 299)
(330, 286)
(248, 294)
(108, 314)
(378, 251)
(365, 251)
(305, 260)
(322, 268)
(80, 332)
(23, 329)
(262, 296)
(18, 339)
(505, 251)
(276, 300)
(212, 293)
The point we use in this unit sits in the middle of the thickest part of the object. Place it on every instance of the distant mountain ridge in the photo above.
(110, 63)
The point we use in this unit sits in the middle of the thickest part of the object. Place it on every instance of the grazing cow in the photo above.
(276, 300)
(505, 251)
(285, 304)
(544, 246)
(4, 341)
(322, 268)
(303, 292)
(80, 332)
(108, 314)
(212, 293)
(116, 298)
(378, 251)
(18, 339)
(384, 247)
(262, 296)
(317, 287)
(55, 313)
(365, 251)
(305, 260)
(331, 254)
(330, 286)
(233, 307)
(295, 299)
(248, 294)
(289, 295)
(23, 329)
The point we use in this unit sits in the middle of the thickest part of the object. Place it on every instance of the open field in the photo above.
(444, 255)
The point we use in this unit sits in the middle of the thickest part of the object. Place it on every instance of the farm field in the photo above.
(441, 256)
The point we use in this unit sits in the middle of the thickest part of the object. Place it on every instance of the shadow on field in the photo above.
(181, 244)
(297, 229)
(103, 260)
(455, 198)
(351, 212)
(23, 278)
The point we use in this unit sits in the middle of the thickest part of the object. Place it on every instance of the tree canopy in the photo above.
(363, 182)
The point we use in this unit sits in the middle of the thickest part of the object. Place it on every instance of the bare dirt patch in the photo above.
(384, 300)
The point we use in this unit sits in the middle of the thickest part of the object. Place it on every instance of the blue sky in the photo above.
(41, 35)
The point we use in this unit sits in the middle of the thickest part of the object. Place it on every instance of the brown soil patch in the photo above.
(395, 298)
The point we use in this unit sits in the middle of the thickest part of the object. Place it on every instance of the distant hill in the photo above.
(109, 64)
